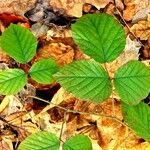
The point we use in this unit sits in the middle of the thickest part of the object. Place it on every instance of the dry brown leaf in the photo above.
(74, 7)
(142, 29)
(16, 6)
(141, 14)
(6, 144)
(133, 6)
(63, 54)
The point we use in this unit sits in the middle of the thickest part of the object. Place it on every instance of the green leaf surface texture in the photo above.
(132, 82)
(78, 142)
(100, 36)
(138, 119)
(86, 80)
(40, 141)
(19, 43)
(43, 70)
(12, 81)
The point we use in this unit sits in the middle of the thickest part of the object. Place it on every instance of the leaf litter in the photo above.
(21, 115)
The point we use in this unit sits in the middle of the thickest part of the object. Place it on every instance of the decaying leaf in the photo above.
(17, 7)
(141, 14)
(142, 29)
(133, 6)
(74, 7)
(63, 54)
(6, 143)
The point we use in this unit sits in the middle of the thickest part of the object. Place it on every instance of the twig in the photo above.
(127, 24)
(80, 112)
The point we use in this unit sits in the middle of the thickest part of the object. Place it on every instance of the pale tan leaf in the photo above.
(4, 104)
(63, 54)
(142, 29)
(6, 144)
(17, 7)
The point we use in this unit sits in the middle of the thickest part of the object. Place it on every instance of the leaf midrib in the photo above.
(42, 70)
(79, 77)
(133, 77)
(11, 79)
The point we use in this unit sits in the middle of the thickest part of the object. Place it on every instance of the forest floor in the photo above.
(51, 108)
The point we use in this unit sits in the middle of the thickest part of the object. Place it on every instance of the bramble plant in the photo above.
(102, 38)
(20, 44)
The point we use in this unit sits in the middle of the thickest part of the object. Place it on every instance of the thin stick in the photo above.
(80, 112)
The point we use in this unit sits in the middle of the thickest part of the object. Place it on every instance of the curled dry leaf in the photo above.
(63, 54)
(141, 14)
(74, 7)
(16, 7)
(133, 6)
(5, 143)
(142, 29)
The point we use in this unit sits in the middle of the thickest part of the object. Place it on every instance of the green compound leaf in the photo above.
(43, 70)
(86, 80)
(12, 81)
(40, 141)
(78, 142)
(99, 36)
(19, 43)
(132, 82)
(138, 119)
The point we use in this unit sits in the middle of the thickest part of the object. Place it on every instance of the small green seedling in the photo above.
(102, 38)
(20, 44)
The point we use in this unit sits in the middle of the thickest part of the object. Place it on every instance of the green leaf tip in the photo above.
(40, 141)
(12, 81)
(19, 43)
(138, 119)
(100, 36)
(86, 80)
(132, 82)
(43, 70)
(78, 142)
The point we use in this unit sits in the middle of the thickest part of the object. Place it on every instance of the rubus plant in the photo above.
(102, 38)
(19, 43)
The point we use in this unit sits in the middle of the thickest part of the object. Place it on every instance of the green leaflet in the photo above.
(78, 142)
(99, 36)
(43, 70)
(132, 82)
(12, 81)
(40, 141)
(19, 43)
(138, 119)
(87, 80)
